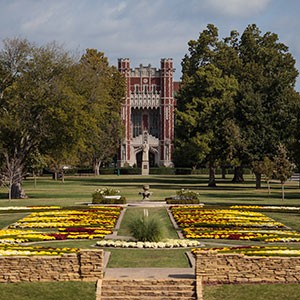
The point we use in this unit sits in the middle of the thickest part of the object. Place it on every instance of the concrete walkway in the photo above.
(149, 273)
(146, 273)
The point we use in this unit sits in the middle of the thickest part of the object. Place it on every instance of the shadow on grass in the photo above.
(177, 182)
(4, 196)
(138, 179)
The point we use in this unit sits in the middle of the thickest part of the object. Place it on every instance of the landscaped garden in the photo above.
(234, 218)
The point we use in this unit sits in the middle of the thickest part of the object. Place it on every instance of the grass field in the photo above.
(76, 191)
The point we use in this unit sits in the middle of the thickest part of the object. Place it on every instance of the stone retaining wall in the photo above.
(238, 268)
(86, 265)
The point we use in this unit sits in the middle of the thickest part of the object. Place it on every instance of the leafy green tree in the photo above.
(38, 111)
(205, 106)
(294, 141)
(103, 89)
(283, 168)
(265, 167)
(243, 121)
(266, 76)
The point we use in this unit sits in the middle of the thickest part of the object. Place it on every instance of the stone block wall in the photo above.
(220, 268)
(86, 265)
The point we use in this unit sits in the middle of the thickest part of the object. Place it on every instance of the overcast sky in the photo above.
(145, 30)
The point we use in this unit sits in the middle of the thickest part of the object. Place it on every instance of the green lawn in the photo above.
(252, 292)
(78, 190)
(158, 213)
(48, 291)
(148, 258)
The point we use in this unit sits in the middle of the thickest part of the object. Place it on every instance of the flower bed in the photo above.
(184, 197)
(69, 224)
(170, 243)
(267, 207)
(9, 250)
(9, 208)
(107, 195)
(254, 250)
(97, 216)
(200, 223)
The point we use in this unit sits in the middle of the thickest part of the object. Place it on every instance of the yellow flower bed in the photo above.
(201, 223)
(70, 218)
(71, 224)
(253, 250)
(10, 250)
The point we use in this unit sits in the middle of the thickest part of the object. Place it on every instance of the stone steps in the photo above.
(134, 289)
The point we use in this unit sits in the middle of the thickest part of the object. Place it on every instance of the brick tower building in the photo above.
(148, 114)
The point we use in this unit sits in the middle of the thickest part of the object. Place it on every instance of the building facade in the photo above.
(148, 114)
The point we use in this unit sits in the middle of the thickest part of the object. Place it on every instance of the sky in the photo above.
(145, 30)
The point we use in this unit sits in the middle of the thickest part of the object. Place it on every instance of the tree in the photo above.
(283, 168)
(266, 76)
(258, 101)
(103, 89)
(294, 118)
(205, 103)
(265, 167)
(38, 112)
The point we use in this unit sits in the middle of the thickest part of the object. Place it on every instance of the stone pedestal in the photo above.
(145, 158)
(145, 167)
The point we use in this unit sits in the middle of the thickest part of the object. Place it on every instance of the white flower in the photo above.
(140, 245)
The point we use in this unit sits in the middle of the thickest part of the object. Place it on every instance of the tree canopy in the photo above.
(248, 98)
(50, 106)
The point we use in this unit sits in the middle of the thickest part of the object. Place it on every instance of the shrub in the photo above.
(107, 196)
(121, 200)
(183, 171)
(184, 197)
(162, 171)
(173, 200)
(146, 229)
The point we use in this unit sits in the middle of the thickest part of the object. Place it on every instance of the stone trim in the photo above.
(87, 265)
(221, 268)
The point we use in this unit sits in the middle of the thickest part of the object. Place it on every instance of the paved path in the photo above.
(149, 273)
(145, 273)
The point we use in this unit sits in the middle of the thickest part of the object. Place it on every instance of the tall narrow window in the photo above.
(154, 122)
(136, 121)
(146, 88)
(136, 88)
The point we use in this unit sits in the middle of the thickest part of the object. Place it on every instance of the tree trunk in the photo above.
(257, 180)
(223, 172)
(55, 176)
(238, 175)
(17, 192)
(269, 188)
(212, 175)
(96, 167)
(14, 173)
(34, 177)
(282, 189)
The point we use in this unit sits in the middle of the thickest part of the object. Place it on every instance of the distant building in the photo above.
(148, 114)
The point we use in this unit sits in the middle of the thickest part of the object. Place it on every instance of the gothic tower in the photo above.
(148, 114)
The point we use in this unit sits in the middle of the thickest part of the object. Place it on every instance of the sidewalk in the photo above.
(145, 273)
(149, 273)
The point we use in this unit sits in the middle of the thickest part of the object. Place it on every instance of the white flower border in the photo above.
(170, 243)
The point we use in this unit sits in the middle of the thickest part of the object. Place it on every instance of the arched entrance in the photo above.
(139, 157)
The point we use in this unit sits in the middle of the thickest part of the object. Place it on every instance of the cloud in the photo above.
(143, 30)
(238, 8)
